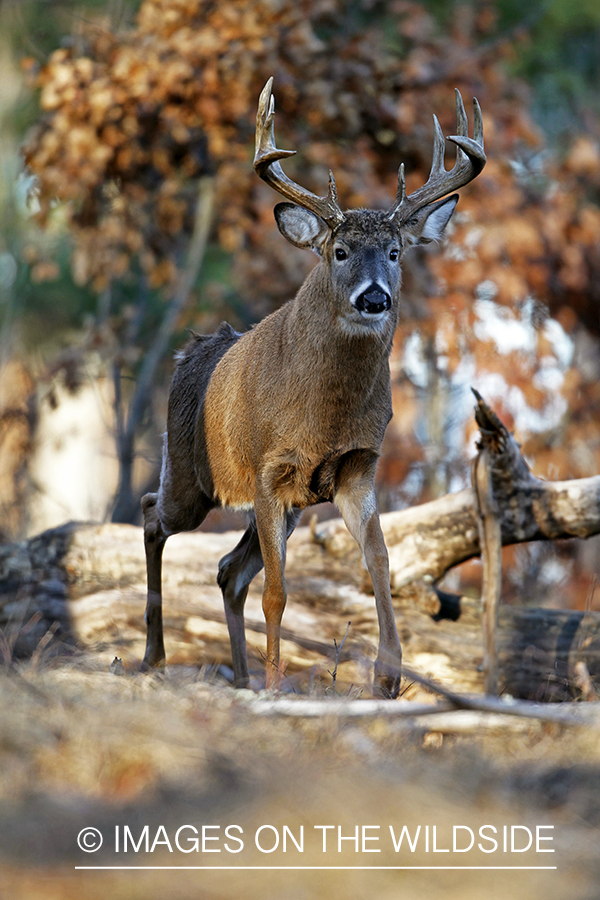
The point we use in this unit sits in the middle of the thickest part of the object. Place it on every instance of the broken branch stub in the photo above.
(490, 542)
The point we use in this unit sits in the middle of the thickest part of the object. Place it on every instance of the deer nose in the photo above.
(373, 301)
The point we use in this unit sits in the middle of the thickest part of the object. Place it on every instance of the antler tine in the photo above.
(477, 122)
(470, 160)
(265, 150)
(401, 192)
(462, 123)
(267, 166)
(439, 148)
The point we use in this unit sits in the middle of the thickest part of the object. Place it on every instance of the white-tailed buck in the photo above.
(293, 412)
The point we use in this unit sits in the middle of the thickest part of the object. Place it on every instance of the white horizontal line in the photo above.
(313, 868)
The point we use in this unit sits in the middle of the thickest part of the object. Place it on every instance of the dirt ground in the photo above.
(194, 792)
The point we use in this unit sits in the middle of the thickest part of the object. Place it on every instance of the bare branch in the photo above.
(490, 541)
(566, 714)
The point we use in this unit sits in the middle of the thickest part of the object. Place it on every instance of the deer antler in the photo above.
(470, 160)
(266, 165)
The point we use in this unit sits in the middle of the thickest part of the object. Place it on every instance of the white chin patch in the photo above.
(362, 326)
(367, 316)
(373, 317)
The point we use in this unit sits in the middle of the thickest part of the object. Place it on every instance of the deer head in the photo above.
(363, 248)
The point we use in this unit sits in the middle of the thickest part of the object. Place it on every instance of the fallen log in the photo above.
(540, 651)
(425, 541)
(85, 585)
(89, 581)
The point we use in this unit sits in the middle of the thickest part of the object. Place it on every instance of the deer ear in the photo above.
(301, 227)
(428, 224)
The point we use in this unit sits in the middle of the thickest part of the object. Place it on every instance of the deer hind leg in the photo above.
(356, 501)
(154, 542)
(236, 571)
(155, 538)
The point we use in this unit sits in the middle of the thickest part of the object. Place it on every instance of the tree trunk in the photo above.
(126, 505)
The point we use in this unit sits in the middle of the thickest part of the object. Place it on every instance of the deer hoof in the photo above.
(386, 681)
(152, 664)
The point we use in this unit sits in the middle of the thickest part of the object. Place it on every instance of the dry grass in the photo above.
(81, 747)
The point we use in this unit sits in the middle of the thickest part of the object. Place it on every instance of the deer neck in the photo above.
(315, 323)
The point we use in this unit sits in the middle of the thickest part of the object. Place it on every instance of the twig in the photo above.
(189, 275)
(42, 644)
(557, 712)
(337, 657)
(15, 628)
(469, 60)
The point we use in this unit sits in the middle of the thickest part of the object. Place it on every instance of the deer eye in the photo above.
(340, 253)
(394, 254)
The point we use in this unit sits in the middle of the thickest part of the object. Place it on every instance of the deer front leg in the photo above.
(236, 571)
(154, 542)
(271, 525)
(356, 501)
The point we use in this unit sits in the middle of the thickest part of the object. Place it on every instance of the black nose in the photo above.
(373, 301)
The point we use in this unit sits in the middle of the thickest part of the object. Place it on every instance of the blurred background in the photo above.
(128, 125)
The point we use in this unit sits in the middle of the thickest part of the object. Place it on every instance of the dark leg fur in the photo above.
(154, 542)
(155, 539)
(236, 571)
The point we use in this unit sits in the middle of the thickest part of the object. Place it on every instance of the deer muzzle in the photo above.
(373, 302)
